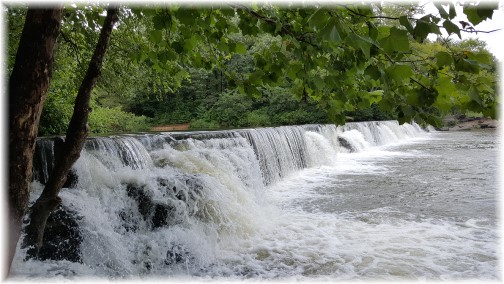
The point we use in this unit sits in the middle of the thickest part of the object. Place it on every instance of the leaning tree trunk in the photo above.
(76, 135)
(28, 85)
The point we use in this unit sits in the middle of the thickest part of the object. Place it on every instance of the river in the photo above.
(383, 202)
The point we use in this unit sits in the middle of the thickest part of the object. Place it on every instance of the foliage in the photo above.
(229, 110)
(114, 120)
(202, 124)
(15, 20)
(256, 65)
(258, 118)
(55, 116)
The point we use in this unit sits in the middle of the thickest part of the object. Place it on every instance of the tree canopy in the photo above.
(341, 59)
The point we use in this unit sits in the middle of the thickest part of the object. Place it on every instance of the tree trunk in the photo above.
(75, 137)
(28, 85)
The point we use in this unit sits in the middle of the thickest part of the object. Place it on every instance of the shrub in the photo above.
(231, 109)
(258, 118)
(55, 116)
(203, 124)
(299, 116)
(114, 120)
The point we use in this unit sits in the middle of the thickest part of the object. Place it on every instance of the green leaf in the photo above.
(423, 28)
(452, 12)
(375, 96)
(451, 28)
(365, 10)
(467, 65)
(478, 13)
(482, 58)
(486, 10)
(190, 43)
(442, 11)
(330, 33)
(319, 83)
(399, 72)
(412, 99)
(240, 48)
(445, 87)
(161, 21)
(472, 14)
(187, 16)
(156, 36)
(373, 72)
(178, 47)
(443, 59)
(474, 95)
(491, 111)
(396, 41)
(318, 19)
(403, 20)
(373, 31)
(293, 69)
(222, 46)
(252, 91)
(431, 119)
(256, 77)
(359, 42)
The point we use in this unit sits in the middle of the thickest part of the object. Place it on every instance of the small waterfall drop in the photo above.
(164, 204)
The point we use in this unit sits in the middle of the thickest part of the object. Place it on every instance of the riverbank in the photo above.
(171, 127)
(462, 123)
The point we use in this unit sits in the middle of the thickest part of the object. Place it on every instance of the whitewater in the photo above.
(363, 201)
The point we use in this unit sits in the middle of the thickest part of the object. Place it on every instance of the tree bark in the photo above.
(76, 135)
(28, 85)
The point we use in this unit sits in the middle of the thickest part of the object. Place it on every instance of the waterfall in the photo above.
(165, 202)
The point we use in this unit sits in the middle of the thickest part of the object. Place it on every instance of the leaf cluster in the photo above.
(345, 58)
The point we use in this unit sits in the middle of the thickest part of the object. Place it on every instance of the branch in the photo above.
(472, 30)
(467, 30)
(73, 45)
(421, 85)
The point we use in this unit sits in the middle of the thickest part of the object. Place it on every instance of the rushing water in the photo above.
(372, 201)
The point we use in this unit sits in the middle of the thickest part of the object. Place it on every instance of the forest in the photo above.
(77, 69)
(244, 72)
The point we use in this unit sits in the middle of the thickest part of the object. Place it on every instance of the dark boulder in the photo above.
(345, 144)
(62, 237)
(72, 179)
(144, 202)
(157, 214)
(161, 215)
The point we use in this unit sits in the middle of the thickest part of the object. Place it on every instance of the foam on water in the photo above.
(246, 204)
(373, 247)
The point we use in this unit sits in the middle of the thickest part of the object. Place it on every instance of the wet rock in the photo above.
(157, 214)
(62, 237)
(144, 203)
(176, 254)
(162, 214)
(345, 144)
(47, 151)
(72, 179)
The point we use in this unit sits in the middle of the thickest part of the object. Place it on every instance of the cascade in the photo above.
(152, 203)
